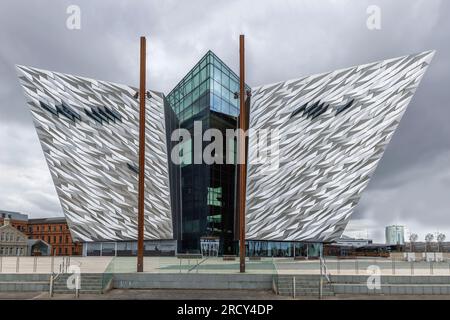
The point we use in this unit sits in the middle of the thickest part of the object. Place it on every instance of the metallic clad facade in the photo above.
(88, 131)
(333, 129)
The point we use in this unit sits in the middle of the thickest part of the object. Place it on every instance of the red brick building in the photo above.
(18, 220)
(53, 231)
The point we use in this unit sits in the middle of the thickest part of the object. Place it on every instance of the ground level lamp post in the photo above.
(440, 239)
(428, 239)
(412, 238)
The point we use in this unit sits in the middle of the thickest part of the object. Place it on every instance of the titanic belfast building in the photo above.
(331, 132)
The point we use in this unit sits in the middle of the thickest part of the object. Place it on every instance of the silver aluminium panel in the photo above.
(333, 129)
(88, 130)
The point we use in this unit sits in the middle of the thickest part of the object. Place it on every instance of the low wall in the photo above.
(192, 281)
(24, 282)
(399, 279)
(393, 285)
(418, 255)
(341, 284)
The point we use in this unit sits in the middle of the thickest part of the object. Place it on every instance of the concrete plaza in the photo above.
(216, 265)
(120, 294)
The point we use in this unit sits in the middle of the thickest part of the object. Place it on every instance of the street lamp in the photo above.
(412, 238)
(428, 239)
(440, 238)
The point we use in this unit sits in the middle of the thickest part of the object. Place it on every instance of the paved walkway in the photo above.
(172, 294)
(45, 265)
(217, 265)
(118, 294)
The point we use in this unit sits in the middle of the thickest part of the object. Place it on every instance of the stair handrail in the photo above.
(323, 273)
(62, 267)
(324, 268)
(53, 277)
(197, 265)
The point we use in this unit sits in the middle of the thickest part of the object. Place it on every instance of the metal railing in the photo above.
(386, 266)
(63, 267)
(196, 266)
(53, 277)
(324, 273)
(330, 266)
(33, 264)
(107, 279)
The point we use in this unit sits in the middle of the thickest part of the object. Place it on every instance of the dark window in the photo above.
(345, 107)
(133, 167)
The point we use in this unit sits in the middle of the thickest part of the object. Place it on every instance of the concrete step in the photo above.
(89, 283)
(87, 277)
(73, 291)
(87, 287)
(304, 286)
(304, 289)
(82, 282)
(300, 281)
(311, 293)
(63, 283)
(82, 288)
(300, 285)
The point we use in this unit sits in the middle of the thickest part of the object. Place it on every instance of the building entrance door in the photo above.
(108, 249)
(209, 246)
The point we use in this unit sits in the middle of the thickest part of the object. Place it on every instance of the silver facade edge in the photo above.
(333, 129)
(88, 130)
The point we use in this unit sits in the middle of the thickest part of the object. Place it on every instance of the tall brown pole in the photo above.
(142, 94)
(243, 158)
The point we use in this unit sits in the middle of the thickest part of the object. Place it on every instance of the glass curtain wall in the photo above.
(206, 94)
(210, 84)
(283, 249)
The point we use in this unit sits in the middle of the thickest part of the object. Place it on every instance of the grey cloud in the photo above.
(284, 40)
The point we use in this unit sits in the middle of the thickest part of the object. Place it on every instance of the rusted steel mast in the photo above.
(141, 190)
(242, 152)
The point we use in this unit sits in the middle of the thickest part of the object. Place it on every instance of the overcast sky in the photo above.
(284, 40)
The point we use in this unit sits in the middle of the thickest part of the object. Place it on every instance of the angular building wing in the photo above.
(88, 130)
(332, 130)
(313, 146)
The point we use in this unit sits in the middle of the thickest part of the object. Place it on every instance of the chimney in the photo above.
(6, 221)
